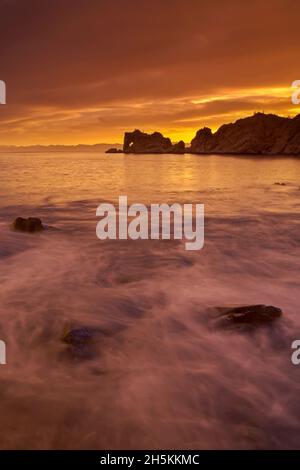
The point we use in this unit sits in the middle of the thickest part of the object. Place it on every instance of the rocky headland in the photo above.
(259, 134)
(140, 142)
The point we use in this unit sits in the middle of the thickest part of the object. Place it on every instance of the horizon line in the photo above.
(26, 146)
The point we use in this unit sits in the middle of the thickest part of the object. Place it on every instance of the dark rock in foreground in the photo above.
(30, 225)
(79, 336)
(140, 142)
(260, 134)
(81, 342)
(114, 150)
(251, 315)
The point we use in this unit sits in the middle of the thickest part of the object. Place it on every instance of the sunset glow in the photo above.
(149, 232)
(218, 71)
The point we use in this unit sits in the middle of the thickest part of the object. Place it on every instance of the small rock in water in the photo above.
(78, 336)
(251, 315)
(279, 184)
(81, 342)
(30, 225)
(114, 150)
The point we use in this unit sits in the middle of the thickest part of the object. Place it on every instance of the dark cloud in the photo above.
(77, 64)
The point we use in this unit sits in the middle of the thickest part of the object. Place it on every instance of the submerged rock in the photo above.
(79, 336)
(248, 315)
(30, 225)
(81, 342)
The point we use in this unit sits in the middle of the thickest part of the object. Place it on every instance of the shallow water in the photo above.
(161, 374)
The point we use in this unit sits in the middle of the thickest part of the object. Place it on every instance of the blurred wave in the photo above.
(162, 376)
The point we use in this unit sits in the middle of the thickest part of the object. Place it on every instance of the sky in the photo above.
(79, 71)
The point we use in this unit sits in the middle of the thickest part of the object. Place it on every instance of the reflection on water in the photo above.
(161, 375)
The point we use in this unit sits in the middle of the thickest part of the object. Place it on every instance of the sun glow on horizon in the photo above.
(178, 118)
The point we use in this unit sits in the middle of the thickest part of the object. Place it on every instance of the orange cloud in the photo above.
(88, 72)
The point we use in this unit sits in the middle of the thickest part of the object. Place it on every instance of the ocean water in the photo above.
(160, 374)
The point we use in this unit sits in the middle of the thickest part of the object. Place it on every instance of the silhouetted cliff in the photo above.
(140, 142)
(260, 134)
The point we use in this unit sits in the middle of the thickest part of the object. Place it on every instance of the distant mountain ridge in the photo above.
(56, 148)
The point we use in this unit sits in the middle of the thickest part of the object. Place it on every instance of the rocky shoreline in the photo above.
(260, 134)
(83, 341)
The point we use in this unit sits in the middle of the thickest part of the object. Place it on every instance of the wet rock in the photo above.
(30, 225)
(140, 142)
(248, 315)
(81, 342)
(79, 336)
